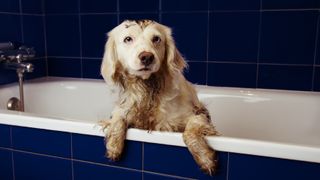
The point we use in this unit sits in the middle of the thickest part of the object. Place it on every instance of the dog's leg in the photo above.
(115, 137)
(197, 127)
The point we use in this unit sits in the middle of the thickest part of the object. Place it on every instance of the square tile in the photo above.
(316, 85)
(94, 29)
(32, 6)
(14, 32)
(63, 35)
(33, 33)
(138, 16)
(193, 47)
(288, 37)
(234, 5)
(30, 166)
(5, 140)
(178, 161)
(196, 72)
(234, 36)
(82, 150)
(98, 6)
(139, 5)
(91, 68)
(61, 6)
(42, 141)
(9, 6)
(290, 4)
(64, 67)
(233, 75)
(6, 171)
(285, 77)
(85, 171)
(265, 168)
(182, 5)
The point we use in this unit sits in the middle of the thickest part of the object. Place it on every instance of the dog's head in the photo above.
(140, 49)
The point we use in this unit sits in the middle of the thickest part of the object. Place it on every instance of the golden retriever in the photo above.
(142, 60)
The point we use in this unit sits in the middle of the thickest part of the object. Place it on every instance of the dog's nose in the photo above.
(146, 58)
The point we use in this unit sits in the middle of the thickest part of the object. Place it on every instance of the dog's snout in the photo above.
(146, 58)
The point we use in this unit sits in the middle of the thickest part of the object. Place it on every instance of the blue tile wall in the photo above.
(23, 22)
(59, 155)
(6, 170)
(37, 167)
(244, 34)
(255, 167)
(5, 140)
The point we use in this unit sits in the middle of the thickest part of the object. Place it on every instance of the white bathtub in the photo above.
(281, 124)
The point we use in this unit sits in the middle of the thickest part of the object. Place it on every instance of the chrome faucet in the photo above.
(13, 58)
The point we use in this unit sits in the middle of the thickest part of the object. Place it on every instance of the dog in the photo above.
(141, 59)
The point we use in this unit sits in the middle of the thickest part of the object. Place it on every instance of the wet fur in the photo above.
(165, 101)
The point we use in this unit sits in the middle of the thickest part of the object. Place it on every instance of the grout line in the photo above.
(160, 11)
(71, 149)
(259, 45)
(118, 12)
(12, 158)
(315, 53)
(228, 166)
(208, 43)
(21, 21)
(80, 40)
(18, 14)
(45, 38)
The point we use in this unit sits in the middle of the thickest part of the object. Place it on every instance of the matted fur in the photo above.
(153, 97)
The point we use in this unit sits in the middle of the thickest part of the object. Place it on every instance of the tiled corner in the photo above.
(64, 67)
(138, 5)
(193, 47)
(285, 77)
(183, 5)
(265, 168)
(178, 161)
(288, 37)
(63, 35)
(85, 171)
(82, 150)
(98, 6)
(42, 141)
(234, 5)
(91, 68)
(196, 72)
(6, 170)
(5, 140)
(290, 4)
(94, 29)
(234, 36)
(232, 74)
(31, 166)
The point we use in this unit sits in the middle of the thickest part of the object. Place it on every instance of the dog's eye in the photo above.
(156, 39)
(128, 39)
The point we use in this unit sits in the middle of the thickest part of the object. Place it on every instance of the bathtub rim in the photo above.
(220, 143)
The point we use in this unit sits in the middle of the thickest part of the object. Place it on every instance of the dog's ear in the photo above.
(174, 59)
(109, 62)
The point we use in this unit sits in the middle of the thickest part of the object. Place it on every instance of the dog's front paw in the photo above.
(209, 166)
(113, 155)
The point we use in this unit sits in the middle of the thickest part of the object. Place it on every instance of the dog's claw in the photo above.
(210, 168)
(113, 156)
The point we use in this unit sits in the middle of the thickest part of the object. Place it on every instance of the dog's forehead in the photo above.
(141, 23)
